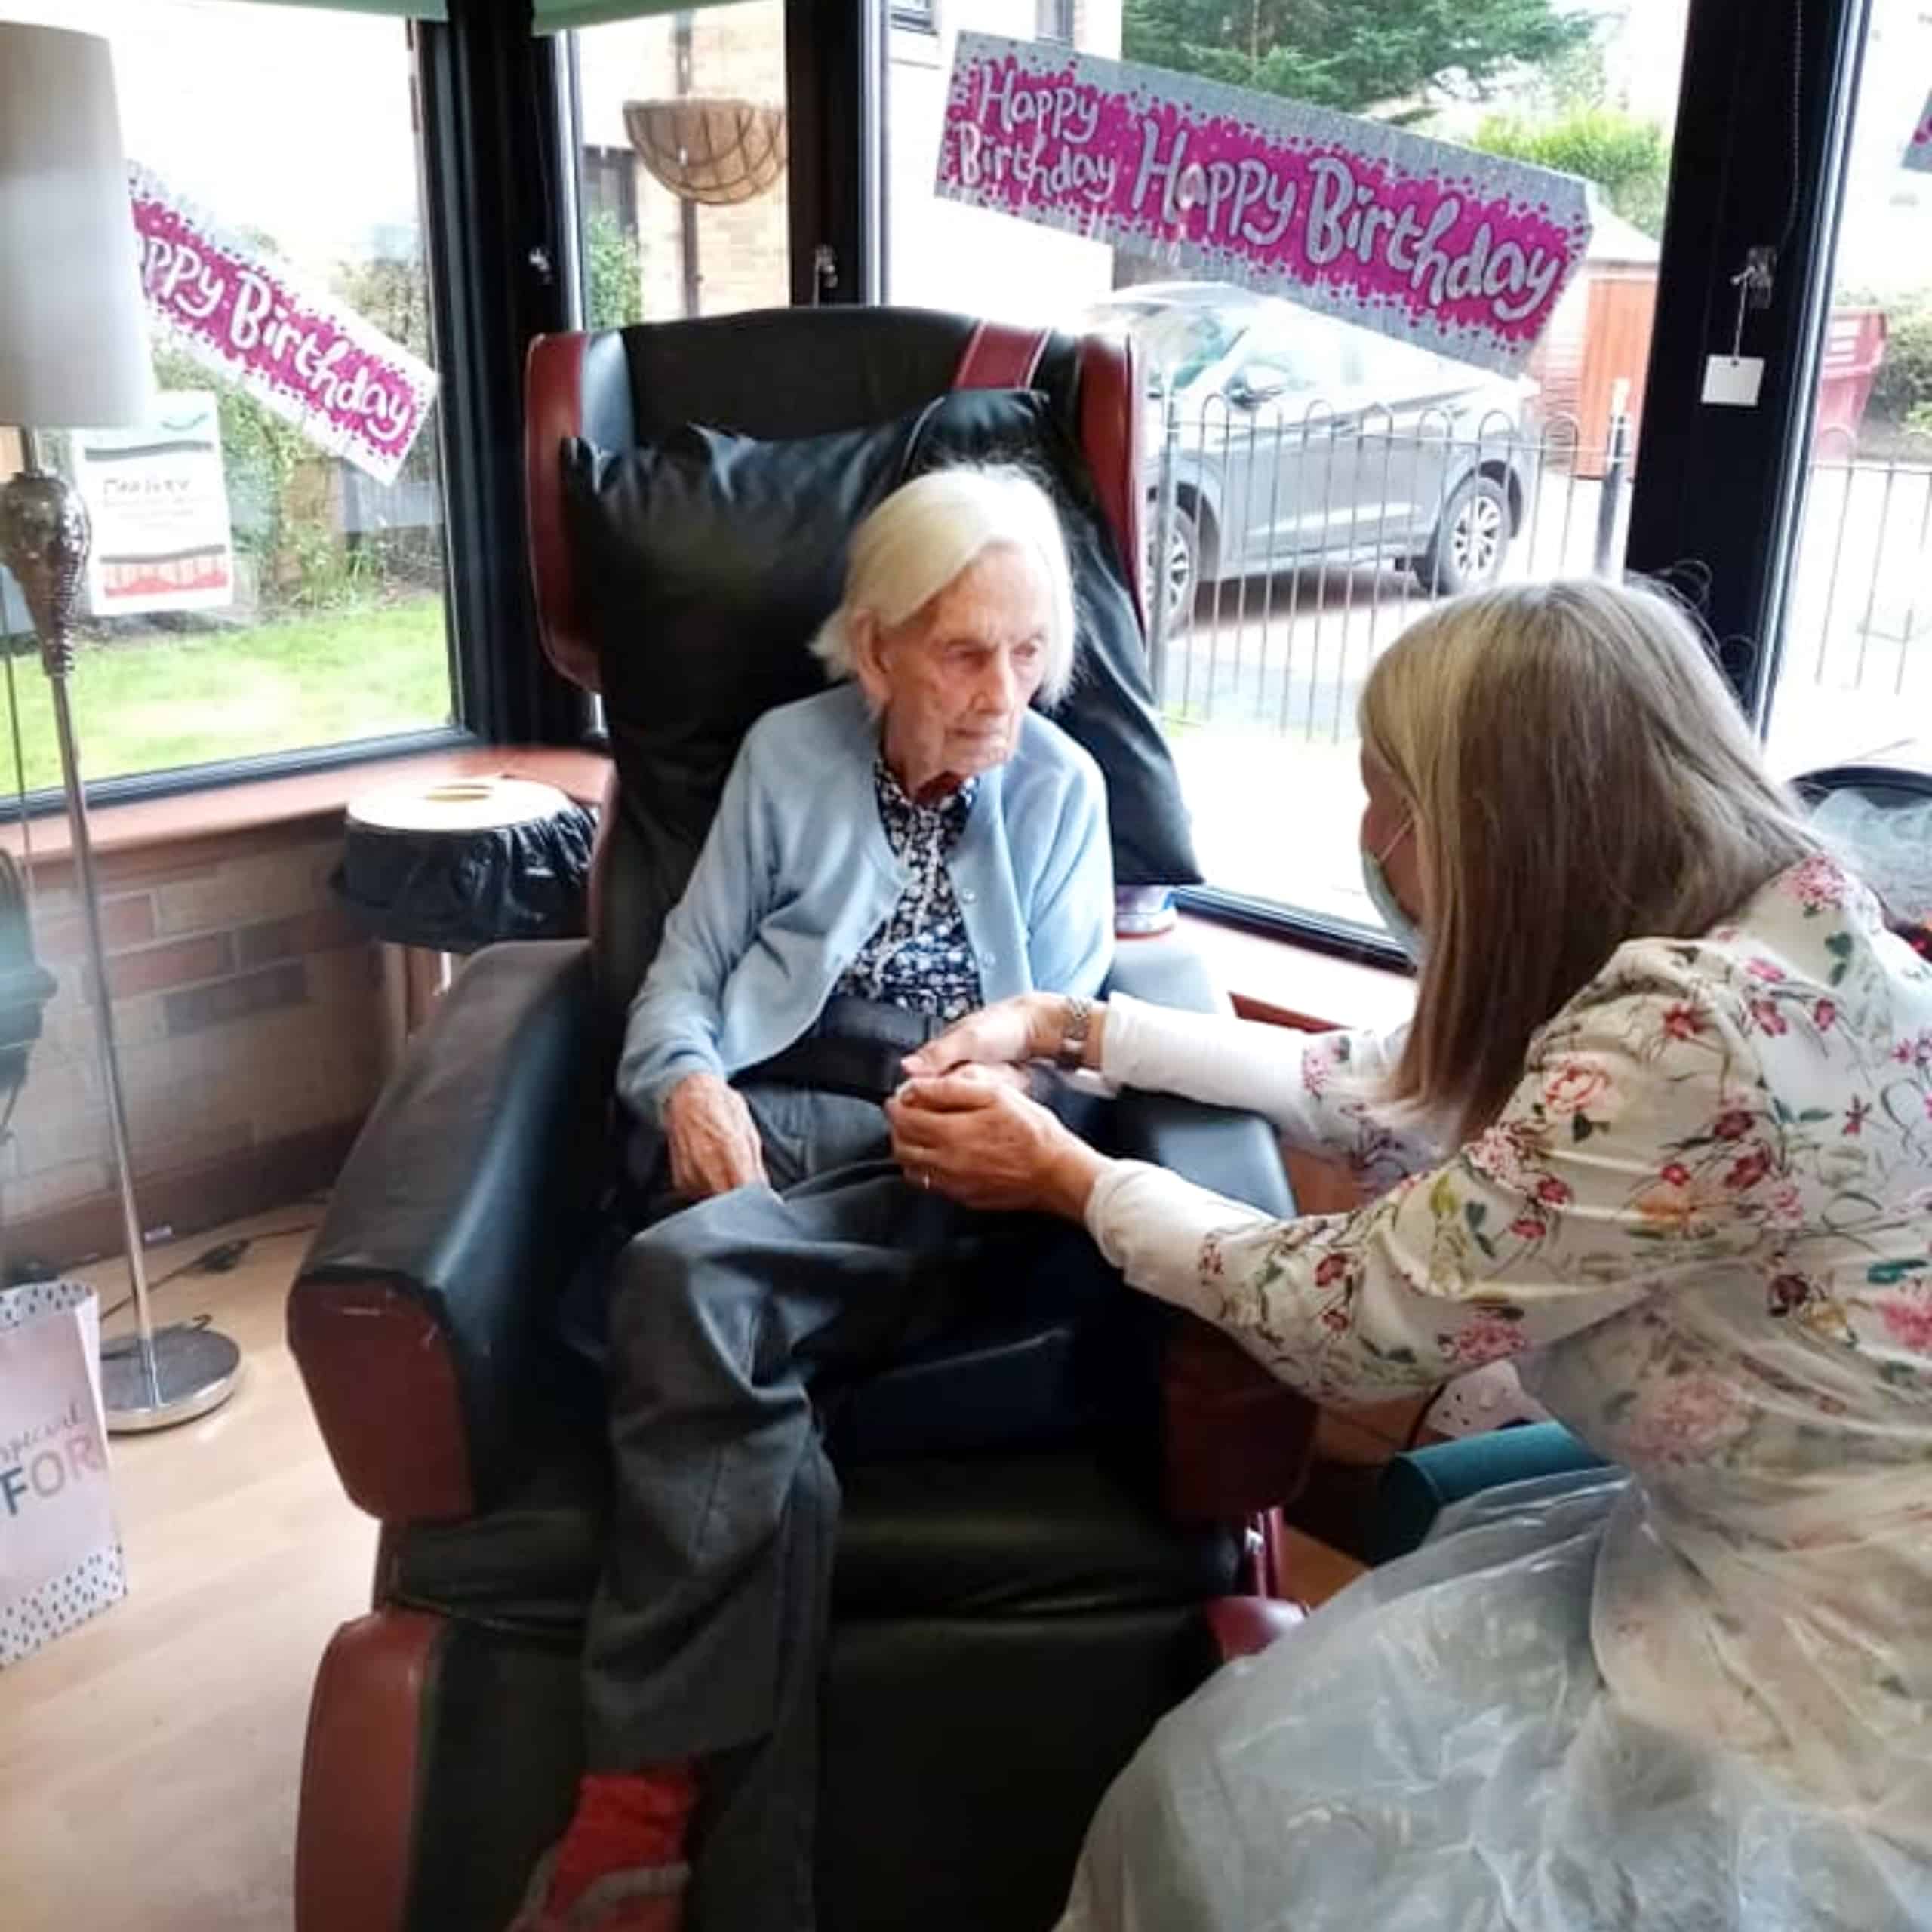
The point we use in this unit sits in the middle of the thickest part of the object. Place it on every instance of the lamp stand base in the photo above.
(190, 1371)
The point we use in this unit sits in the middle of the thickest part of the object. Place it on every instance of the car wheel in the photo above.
(1176, 577)
(1467, 550)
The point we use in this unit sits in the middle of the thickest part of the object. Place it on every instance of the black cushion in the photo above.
(712, 558)
(1064, 1534)
(1049, 1532)
(963, 1757)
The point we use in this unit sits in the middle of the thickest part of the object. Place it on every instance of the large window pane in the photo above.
(681, 157)
(1315, 486)
(330, 624)
(1855, 678)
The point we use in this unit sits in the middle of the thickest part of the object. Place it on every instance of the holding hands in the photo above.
(1029, 1026)
(963, 1126)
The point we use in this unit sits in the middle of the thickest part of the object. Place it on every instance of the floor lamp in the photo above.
(74, 353)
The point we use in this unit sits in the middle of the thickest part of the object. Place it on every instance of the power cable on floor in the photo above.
(223, 1258)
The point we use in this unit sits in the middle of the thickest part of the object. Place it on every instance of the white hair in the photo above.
(922, 536)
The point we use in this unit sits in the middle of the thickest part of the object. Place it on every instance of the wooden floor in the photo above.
(148, 1759)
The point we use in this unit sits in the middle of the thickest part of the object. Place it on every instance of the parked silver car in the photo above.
(1294, 438)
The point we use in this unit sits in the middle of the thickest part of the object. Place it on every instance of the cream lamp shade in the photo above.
(73, 330)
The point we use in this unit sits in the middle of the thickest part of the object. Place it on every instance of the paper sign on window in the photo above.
(1463, 254)
(1918, 155)
(158, 503)
(304, 355)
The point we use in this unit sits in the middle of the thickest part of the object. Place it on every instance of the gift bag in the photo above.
(60, 1554)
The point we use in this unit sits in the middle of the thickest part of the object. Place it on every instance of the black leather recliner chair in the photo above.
(1025, 1581)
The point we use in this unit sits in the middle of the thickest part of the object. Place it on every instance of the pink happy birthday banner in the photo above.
(308, 357)
(1918, 154)
(1461, 253)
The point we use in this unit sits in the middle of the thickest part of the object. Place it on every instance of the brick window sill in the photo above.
(226, 812)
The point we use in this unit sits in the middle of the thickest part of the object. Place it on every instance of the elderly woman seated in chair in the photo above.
(887, 856)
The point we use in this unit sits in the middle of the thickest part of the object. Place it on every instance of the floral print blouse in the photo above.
(1702, 1226)
(921, 958)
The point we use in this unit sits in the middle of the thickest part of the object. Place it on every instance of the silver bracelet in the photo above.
(1071, 1052)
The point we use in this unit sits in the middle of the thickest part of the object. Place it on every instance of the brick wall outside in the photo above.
(743, 251)
(737, 52)
(248, 1011)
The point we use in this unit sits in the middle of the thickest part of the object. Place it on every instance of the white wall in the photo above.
(941, 255)
(1885, 241)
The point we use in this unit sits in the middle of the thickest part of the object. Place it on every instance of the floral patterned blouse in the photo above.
(1702, 1225)
(921, 958)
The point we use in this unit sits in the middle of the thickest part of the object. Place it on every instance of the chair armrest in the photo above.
(1245, 1627)
(1236, 1441)
(452, 1228)
(1418, 1485)
(1234, 1153)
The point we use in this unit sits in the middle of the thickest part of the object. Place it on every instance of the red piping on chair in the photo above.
(1111, 434)
(380, 1379)
(361, 1766)
(553, 409)
(1000, 357)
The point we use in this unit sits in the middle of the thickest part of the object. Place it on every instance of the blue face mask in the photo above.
(1402, 929)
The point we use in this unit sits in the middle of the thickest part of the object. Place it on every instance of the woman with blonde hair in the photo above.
(1661, 1132)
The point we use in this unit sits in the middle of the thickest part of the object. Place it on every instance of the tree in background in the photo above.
(613, 270)
(1628, 159)
(1352, 54)
(391, 293)
(260, 455)
(400, 549)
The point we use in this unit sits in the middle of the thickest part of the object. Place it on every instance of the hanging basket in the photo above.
(714, 151)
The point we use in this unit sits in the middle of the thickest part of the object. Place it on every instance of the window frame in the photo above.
(1056, 22)
(502, 245)
(1723, 488)
(177, 781)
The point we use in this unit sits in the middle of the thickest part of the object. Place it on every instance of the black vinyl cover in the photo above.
(1063, 1532)
(454, 892)
(470, 1187)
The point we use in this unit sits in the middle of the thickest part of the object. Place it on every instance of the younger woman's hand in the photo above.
(973, 1138)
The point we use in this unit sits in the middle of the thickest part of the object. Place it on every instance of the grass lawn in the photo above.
(150, 703)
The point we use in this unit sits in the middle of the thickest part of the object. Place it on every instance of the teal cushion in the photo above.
(1417, 1486)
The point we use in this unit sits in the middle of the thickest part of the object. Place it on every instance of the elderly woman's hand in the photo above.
(1026, 1027)
(975, 1139)
(714, 1141)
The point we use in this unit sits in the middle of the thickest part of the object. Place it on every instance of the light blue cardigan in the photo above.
(796, 875)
